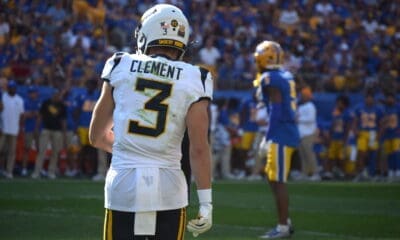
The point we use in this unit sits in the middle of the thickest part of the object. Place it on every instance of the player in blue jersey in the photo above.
(342, 119)
(31, 129)
(249, 126)
(279, 95)
(72, 145)
(366, 127)
(391, 135)
(86, 102)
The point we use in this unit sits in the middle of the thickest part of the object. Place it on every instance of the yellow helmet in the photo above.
(268, 55)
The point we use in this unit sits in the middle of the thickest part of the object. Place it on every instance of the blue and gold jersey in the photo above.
(86, 103)
(71, 103)
(368, 117)
(279, 95)
(339, 124)
(392, 115)
(248, 111)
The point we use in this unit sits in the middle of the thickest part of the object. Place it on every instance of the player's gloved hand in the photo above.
(203, 222)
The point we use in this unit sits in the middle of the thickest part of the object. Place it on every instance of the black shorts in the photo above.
(170, 225)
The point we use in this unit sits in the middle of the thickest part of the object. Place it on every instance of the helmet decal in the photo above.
(181, 31)
(163, 25)
(174, 24)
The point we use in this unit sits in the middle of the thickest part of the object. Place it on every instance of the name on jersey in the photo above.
(157, 68)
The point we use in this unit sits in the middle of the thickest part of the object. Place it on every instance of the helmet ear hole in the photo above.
(137, 29)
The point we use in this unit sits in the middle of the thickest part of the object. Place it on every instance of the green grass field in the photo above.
(73, 209)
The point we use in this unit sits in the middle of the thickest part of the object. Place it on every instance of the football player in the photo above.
(367, 118)
(147, 101)
(85, 105)
(391, 135)
(279, 94)
(342, 119)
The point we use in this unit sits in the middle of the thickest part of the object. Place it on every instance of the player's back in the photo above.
(152, 96)
(279, 84)
(369, 116)
(392, 115)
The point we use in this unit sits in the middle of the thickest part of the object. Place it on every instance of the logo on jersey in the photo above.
(148, 180)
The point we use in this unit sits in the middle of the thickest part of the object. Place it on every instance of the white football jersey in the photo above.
(152, 96)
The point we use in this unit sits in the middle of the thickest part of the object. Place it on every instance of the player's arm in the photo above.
(197, 121)
(100, 130)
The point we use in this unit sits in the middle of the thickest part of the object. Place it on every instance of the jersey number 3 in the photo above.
(156, 104)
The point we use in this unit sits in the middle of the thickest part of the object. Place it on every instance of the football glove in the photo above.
(203, 222)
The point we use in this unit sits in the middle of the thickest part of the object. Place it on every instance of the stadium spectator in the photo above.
(11, 117)
(209, 55)
(324, 7)
(4, 29)
(319, 25)
(289, 19)
(53, 119)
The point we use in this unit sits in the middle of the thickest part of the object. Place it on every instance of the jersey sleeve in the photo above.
(204, 90)
(110, 65)
(207, 84)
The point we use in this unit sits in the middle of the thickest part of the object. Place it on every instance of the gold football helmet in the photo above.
(268, 55)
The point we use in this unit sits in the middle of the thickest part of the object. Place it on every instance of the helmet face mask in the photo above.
(268, 55)
(163, 25)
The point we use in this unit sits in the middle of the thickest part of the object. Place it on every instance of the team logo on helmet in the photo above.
(181, 31)
(174, 24)
(268, 54)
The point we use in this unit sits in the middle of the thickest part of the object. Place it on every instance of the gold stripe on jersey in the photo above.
(182, 224)
(288, 151)
(278, 162)
(107, 232)
(271, 168)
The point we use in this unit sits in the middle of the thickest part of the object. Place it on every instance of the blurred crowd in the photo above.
(331, 46)
(342, 46)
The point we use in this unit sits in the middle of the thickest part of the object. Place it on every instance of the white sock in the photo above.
(289, 221)
(283, 228)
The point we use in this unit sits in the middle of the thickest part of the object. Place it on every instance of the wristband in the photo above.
(204, 195)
